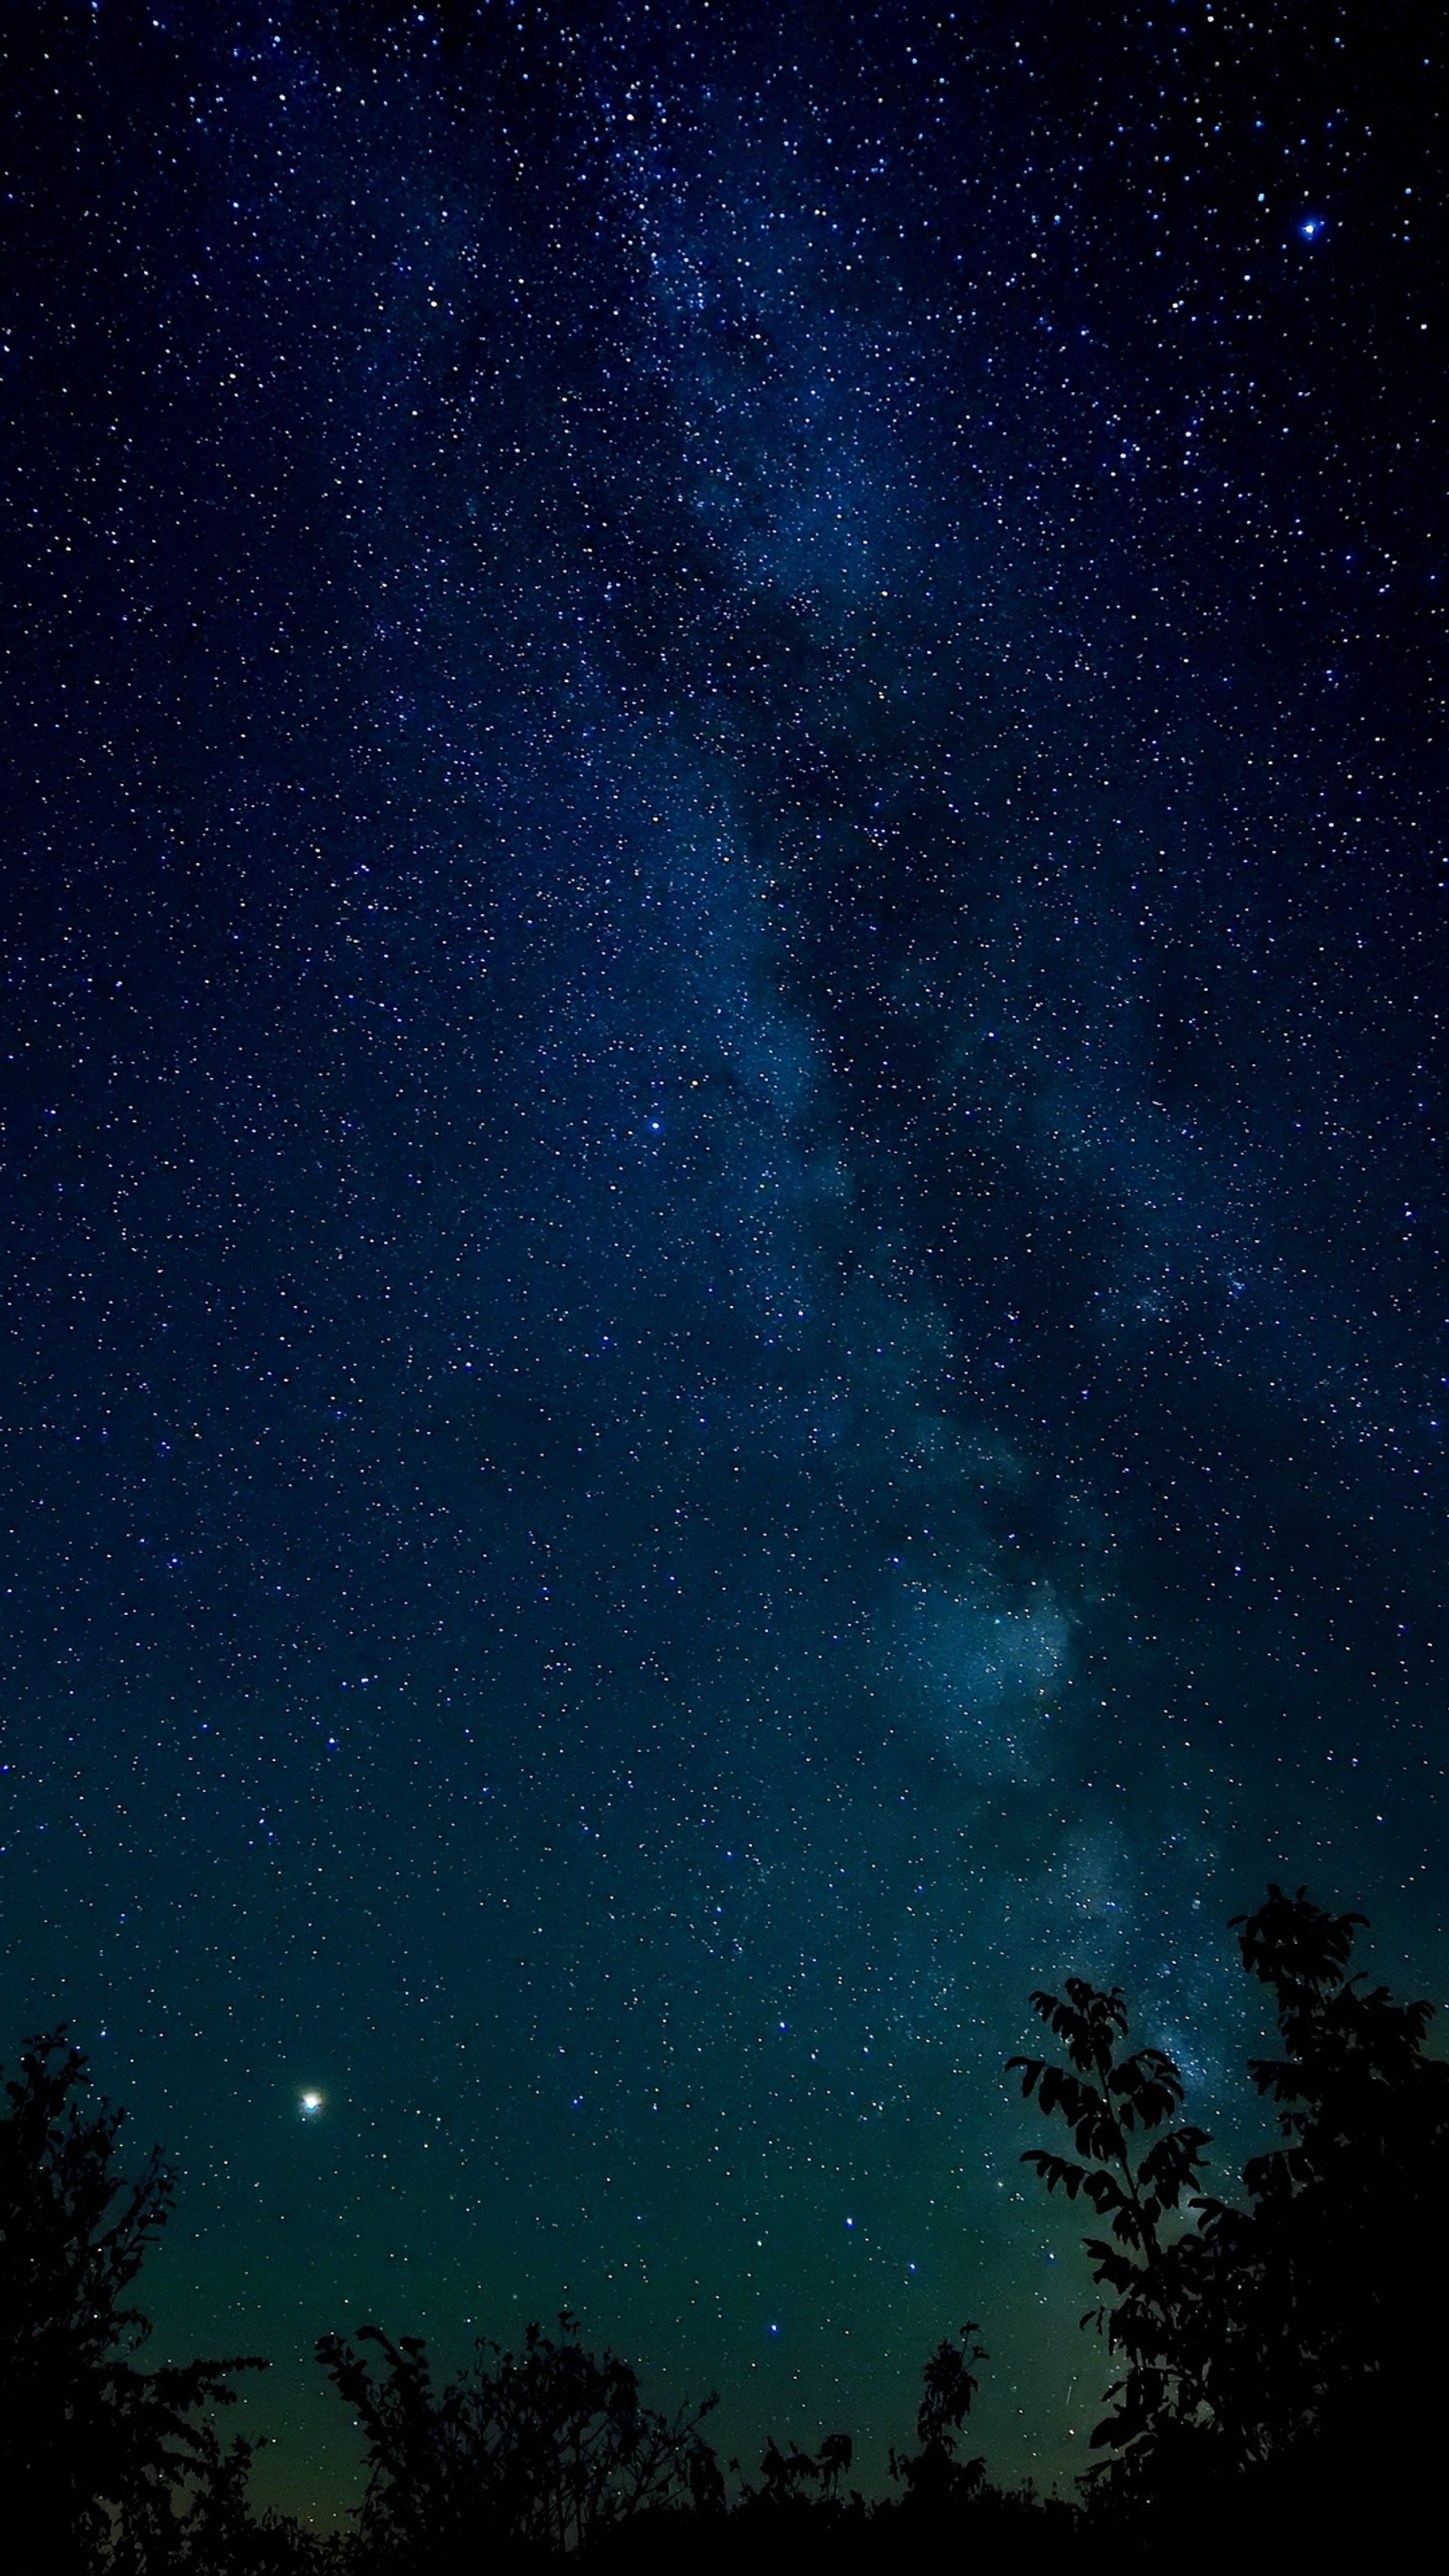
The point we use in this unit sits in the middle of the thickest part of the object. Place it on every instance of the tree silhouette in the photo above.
(1325, 2297)
(527, 2454)
(100, 2445)
(1281, 2352)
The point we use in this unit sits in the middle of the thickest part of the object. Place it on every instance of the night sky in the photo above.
(723, 1132)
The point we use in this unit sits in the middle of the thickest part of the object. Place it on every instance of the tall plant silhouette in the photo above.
(933, 2478)
(1137, 2174)
(530, 2453)
(100, 2444)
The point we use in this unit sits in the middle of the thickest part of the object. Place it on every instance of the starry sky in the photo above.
(723, 1105)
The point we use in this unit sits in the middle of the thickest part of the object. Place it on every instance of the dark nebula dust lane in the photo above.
(723, 1130)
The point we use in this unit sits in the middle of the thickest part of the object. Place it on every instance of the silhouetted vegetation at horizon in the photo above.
(538, 2453)
(1278, 2377)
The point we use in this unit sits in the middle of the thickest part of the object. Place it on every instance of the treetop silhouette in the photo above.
(105, 2443)
(1263, 2339)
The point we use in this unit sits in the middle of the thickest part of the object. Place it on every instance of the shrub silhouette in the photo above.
(527, 2454)
(787, 2478)
(103, 2445)
(217, 2532)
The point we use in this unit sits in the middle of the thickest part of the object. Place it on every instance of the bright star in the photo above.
(309, 2104)
(1311, 226)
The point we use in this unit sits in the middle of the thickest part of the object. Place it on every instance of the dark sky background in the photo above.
(724, 946)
